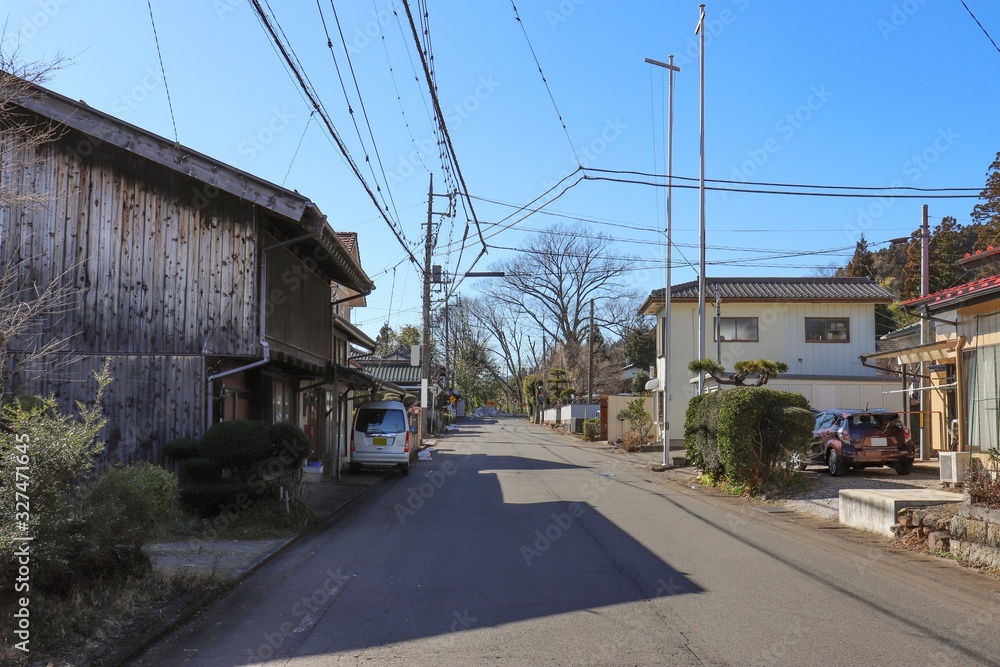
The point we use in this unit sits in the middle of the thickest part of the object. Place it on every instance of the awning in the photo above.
(940, 351)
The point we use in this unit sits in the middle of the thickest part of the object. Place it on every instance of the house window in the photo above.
(284, 402)
(828, 329)
(734, 329)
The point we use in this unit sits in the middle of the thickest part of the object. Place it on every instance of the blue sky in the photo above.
(874, 93)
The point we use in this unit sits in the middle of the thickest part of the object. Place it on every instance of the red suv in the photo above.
(858, 439)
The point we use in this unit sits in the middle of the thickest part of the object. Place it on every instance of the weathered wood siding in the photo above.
(299, 315)
(164, 269)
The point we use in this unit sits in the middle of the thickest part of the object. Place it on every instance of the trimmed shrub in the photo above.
(637, 417)
(291, 444)
(182, 449)
(591, 429)
(701, 430)
(237, 444)
(208, 500)
(755, 426)
(199, 470)
(129, 505)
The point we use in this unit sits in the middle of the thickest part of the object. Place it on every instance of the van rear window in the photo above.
(381, 420)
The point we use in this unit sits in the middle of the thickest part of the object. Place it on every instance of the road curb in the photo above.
(189, 611)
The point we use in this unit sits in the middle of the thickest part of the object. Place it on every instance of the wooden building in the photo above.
(215, 294)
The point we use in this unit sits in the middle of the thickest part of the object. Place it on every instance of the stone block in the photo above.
(975, 530)
(957, 528)
(918, 517)
(993, 534)
(938, 541)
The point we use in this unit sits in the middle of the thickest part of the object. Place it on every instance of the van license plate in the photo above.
(379, 442)
(878, 442)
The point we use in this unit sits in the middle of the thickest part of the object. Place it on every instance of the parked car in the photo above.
(381, 436)
(844, 439)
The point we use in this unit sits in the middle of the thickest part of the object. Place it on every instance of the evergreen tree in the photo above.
(987, 212)
(862, 265)
(947, 247)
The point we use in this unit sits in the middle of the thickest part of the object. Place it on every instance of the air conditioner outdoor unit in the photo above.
(953, 465)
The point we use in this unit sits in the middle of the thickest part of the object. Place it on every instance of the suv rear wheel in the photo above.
(835, 464)
(905, 467)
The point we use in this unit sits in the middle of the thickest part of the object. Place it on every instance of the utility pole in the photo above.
(664, 381)
(925, 329)
(718, 324)
(590, 371)
(425, 348)
(700, 30)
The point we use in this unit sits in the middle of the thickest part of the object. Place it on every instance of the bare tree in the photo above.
(30, 301)
(556, 275)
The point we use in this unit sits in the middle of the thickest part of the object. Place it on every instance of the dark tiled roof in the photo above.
(404, 375)
(958, 294)
(784, 289)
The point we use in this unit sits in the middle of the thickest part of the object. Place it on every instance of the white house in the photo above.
(818, 326)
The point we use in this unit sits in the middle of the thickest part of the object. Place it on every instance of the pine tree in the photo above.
(947, 247)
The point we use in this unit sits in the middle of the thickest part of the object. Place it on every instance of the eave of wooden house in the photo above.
(335, 258)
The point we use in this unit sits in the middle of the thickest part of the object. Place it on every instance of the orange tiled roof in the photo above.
(957, 294)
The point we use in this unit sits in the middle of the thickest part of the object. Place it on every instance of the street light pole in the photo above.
(664, 381)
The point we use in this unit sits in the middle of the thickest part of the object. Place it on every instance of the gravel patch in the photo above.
(821, 495)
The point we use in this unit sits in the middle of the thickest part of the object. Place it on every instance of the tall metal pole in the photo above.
(665, 380)
(925, 333)
(590, 371)
(700, 30)
(425, 348)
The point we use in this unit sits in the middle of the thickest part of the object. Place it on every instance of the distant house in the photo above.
(818, 326)
(215, 294)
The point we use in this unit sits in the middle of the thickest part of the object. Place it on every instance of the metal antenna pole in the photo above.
(700, 30)
(665, 380)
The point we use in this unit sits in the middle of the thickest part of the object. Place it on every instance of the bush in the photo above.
(129, 505)
(637, 417)
(591, 429)
(208, 500)
(981, 484)
(237, 444)
(701, 430)
(182, 449)
(755, 426)
(199, 470)
(44, 455)
(633, 440)
(291, 444)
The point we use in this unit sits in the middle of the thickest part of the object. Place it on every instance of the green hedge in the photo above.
(237, 444)
(701, 430)
(199, 470)
(591, 429)
(179, 450)
(743, 433)
(208, 500)
(290, 443)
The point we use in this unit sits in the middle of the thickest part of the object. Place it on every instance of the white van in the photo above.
(381, 436)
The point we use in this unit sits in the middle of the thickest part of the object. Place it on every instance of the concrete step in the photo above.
(876, 510)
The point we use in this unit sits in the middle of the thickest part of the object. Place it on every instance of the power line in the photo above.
(910, 188)
(298, 72)
(361, 101)
(441, 121)
(297, 147)
(856, 195)
(546, 82)
(980, 25)
(163, 71)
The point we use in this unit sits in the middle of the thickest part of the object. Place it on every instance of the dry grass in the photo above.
(99, 620)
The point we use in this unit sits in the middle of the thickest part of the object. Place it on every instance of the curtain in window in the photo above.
(984, 398)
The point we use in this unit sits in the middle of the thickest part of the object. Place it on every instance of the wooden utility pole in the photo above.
(425, 347)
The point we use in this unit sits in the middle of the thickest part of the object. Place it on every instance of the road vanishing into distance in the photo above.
(519, 546)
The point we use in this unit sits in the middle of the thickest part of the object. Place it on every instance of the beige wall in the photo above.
(616, 429)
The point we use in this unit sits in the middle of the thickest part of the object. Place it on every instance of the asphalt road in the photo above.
(516, 546)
